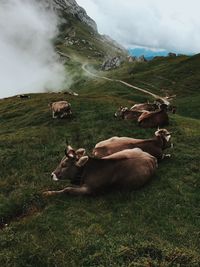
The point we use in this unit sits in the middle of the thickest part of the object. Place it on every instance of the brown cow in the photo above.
(60, 109)
(127, 169)
(155, 118)
(144, 107)
(154, 146)
(127, 114)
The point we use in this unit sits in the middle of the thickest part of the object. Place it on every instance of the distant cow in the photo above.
(155, 118)
(127, 169)
(127, 114)
(60, 109)
(154, 146)
(145, 106)
(23, 96)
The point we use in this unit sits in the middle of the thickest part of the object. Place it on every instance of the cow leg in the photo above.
(83, 190)
(53, 115)
(62, 115)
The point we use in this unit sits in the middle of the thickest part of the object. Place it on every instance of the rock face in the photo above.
(141, 59)
(171, 54)
(70, 7)
(136, 59)
(111, 63)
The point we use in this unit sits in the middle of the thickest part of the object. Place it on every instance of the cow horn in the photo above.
(69, 152)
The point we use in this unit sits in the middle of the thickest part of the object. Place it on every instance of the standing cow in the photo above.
(127, 169)
(60, 109)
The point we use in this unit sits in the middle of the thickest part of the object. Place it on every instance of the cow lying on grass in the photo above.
(127, 114)
(127, 169)
(145, 106)
(154, 146)
(154, 118)
(60, 109)
(146, 119)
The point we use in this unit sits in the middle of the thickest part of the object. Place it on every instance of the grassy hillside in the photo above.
(155, 226)
(168, 75)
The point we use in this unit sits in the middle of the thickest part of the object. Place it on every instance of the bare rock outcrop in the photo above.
(111, 63)
(70, 7)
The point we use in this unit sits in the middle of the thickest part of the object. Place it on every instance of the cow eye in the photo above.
(64, 164)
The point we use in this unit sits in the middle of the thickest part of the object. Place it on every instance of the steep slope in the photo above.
(157, 225)
(66, 7)
(78, 33)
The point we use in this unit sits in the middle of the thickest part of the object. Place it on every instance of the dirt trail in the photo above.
(84, 67)
(125, 83)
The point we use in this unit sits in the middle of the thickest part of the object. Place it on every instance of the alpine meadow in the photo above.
(156, 225)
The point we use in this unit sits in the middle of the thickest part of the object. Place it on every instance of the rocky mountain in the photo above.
(78, 33)
(65, 7)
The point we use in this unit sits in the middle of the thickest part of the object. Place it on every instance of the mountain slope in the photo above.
(78, 33)
(66, 7)
(178, 76)
(157, 224)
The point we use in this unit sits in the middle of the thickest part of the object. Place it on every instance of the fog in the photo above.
(172, 25)
(28, 62)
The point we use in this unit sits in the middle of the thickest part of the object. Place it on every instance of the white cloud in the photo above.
(172, 25)
(28, 62)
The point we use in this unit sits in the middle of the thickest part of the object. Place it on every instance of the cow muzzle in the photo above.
(54, 177)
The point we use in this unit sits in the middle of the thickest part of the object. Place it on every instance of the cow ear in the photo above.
(80, 153)
(82, 161)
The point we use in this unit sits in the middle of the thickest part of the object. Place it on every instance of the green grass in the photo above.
(155, 226)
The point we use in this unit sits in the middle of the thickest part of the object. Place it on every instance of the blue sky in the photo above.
(173, 25)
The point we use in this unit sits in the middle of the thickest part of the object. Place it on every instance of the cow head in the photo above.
(120, 112)
(70, 165)
(165, 135)
(164, 107)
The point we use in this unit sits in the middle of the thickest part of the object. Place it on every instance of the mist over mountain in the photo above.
(28, 60)
(29, 30)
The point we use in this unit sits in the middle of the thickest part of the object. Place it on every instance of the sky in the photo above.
(28, 62)
(173, 25)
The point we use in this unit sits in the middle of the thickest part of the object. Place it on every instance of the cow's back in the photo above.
(106, 148)
(154, 119)
(113, 145)
(130, 173)
(60, 105)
